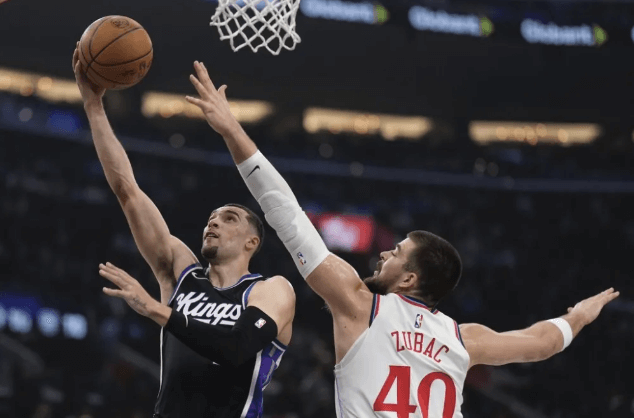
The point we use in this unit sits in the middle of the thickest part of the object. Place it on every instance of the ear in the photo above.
(410, 281)
(252, 243)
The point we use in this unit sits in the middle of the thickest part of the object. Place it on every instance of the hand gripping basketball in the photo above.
(90, 92)
(212, 102)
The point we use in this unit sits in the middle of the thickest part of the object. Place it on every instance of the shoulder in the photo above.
(475, 331)
(276, 288)
(476, 337)
(277, 281)
(276, 298)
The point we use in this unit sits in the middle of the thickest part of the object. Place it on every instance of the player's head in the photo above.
(232, 230)
(423, 265)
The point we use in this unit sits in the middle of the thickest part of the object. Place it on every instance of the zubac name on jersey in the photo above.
(403, 341)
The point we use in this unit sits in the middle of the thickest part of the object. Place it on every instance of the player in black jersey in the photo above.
(224, 329)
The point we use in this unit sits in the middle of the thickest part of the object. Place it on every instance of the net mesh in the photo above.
(257, 24)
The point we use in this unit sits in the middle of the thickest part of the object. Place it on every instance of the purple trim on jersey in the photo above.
(245, 295)
(269, 361)
(245, 277)
(279, 344)
(184, 273)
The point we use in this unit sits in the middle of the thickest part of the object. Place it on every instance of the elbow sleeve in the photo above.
(251, 333)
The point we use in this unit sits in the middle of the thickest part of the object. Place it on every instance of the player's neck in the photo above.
(412, 294)
(227, 274)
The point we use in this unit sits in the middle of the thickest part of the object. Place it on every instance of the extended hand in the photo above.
(90, 93)
(213, 103)
(590, 308)
(130, 289)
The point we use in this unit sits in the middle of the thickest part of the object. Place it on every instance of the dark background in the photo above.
(538, 227)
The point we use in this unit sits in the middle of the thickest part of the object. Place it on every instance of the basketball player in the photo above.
(224, 329)
(397, 355)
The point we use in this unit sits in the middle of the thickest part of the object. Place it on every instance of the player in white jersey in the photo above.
(396, 355)
(410, 353)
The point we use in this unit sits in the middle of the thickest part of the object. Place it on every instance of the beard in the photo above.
(210, 253)
(375, 286)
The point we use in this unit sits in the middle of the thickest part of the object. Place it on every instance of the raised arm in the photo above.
(328, 275)
(536, 343)
(166, 255)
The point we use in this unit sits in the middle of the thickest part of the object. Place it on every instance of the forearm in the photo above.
(538, 342)
(551, 336)
(239, 144)
(283, 213)
(111, 153)
(234, 346)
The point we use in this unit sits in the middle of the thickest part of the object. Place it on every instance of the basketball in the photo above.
(115, 52)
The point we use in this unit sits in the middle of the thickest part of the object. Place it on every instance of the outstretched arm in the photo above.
(166, 255)
(538, 342)
(269, 314)
(331, 277)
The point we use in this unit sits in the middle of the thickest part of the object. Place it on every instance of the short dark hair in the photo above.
(437, 264)
(254, 220)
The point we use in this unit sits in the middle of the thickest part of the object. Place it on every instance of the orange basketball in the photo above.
(115, 52)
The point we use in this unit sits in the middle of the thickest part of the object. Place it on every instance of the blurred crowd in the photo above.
(527, 257)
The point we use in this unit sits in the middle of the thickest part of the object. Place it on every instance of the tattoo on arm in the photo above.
(138, 303)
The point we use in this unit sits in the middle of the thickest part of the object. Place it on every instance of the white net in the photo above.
(257, 24)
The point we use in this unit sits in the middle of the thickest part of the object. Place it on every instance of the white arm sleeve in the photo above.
(268, 179)
(283, 213)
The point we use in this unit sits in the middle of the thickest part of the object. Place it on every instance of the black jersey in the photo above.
(194, 386)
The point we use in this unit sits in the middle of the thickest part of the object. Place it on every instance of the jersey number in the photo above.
(402, 376)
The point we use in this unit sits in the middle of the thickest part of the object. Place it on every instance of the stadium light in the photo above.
(168, 105)
(390, 127)
(75, 326)
(45, 87)
(563, 134)
(20, 320)
(48, 320)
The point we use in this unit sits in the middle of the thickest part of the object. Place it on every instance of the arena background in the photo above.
(504, 126)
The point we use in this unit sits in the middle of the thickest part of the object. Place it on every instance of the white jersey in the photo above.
(410, 362)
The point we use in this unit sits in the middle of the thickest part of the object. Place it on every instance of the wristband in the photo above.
(565, 329)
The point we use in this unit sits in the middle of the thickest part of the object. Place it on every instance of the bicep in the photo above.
(488, 347)
(339, 285)
(166, 255)
(276, 298)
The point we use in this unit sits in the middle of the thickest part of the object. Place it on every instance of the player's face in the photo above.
(226, 234)
(389, 270)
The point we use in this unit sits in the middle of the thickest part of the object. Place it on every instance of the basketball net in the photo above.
(257, 24)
